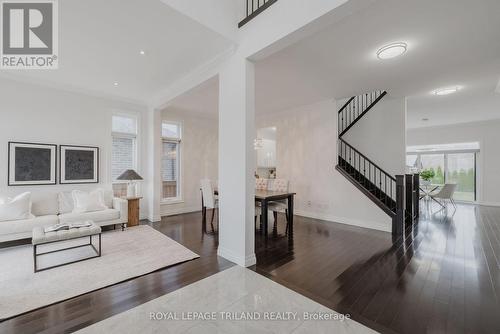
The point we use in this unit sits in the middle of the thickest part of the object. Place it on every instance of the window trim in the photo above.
(179, 198)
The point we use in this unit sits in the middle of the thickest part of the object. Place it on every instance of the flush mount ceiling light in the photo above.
(392, 50)
(425, 119)
(142, 52)
(115, 84)
(446, 91)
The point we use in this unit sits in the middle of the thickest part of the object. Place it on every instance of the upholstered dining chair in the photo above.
(281, 185)
(445, 195)
(209, 200)
(261, 184)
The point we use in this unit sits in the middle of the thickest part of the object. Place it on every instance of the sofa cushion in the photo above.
(96, 216)
(65, 199)
(88, 201)
(17, 208)
(44, 204)
(27, 225)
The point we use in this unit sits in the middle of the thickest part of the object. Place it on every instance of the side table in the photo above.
(133, 210)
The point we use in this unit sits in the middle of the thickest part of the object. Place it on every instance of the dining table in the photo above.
(264, 197)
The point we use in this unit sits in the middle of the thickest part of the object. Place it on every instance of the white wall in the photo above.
(306, 148)
(199, 157)
(381, 133)
(488, 161)
(31, 113)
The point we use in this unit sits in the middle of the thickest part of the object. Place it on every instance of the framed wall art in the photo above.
(31, 164)
(78, 164)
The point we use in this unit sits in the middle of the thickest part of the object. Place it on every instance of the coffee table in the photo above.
(41, 238)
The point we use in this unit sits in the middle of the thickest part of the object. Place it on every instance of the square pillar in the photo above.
(237, 161)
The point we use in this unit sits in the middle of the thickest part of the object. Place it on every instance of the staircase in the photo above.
(385, 190)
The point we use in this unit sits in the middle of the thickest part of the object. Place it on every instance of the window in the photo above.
(170, 163)
(123, 151)
(451, 163)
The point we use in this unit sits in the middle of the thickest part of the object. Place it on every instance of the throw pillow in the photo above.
(88, 202)
(17, 208)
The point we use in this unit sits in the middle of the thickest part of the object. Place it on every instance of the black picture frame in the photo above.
(80, 165)
(12, 167)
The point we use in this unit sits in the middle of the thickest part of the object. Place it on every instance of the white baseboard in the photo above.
(154, 218)
(379, 226)
(244, 261)
(172, 210)
(488, 203)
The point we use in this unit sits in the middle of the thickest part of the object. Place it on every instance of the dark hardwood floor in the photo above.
(442, 277)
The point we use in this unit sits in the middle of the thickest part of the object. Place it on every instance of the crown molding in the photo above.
(72, 89)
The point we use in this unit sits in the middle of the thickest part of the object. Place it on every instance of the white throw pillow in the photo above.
(17, 208)
(88, 202)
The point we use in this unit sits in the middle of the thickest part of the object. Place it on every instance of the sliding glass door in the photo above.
(449, 167)
(461, 169)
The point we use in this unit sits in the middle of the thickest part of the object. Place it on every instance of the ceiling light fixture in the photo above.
(142, 52)
(446, 91)
(392, 50)
(425, 119)
(115, 84)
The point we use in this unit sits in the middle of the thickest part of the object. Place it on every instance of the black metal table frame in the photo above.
(264, 220)
(289, 197)
(35, 254)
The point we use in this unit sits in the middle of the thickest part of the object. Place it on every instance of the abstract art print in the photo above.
(78, 164)
(31, 164)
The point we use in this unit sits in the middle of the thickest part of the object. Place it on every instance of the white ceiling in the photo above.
(203, 99)
(100, 43)
(451, 42)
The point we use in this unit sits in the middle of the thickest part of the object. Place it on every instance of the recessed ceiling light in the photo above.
(142, 52)
(392, 50)
(446, 91)
(115, 84)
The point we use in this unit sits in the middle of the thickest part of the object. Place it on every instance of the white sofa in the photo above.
(52, 208)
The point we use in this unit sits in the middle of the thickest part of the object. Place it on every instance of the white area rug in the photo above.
(134, 252)
(236, 300)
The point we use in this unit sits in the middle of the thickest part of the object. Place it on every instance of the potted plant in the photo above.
(427, 175)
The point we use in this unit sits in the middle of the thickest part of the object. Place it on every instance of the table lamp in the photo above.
(132, 177)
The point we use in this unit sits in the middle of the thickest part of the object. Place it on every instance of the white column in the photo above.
(153, 175)
(236, 161)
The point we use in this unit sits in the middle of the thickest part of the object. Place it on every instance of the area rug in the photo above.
(134, 252)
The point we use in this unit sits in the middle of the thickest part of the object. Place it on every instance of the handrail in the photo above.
(367, 159)
(366, 101)
(346, 104)
(254, 8)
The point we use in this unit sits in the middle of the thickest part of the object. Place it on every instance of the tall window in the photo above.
(123, 152)
(171, 154)
(451, 163)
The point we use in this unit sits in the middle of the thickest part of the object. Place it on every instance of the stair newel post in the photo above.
(409, 196)
(398, 220)
(416, 195)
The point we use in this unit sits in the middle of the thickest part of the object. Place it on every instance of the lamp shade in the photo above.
(129, 175)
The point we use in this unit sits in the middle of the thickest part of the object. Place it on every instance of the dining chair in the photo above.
(281, 185)
(209, 200)
(445, 195)
(261, 184)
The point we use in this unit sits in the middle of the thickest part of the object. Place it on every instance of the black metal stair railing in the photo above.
(355, 108)
(368, 174)
(385, 190)
(254, 8)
